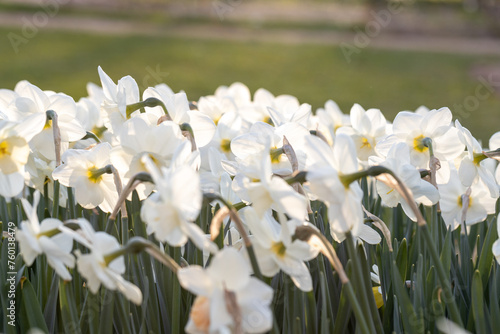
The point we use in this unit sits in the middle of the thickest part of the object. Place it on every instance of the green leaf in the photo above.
(402, 259)
(446, 252)
(365, 268)
(343, 315)
(106, 319)
(478, 303)
(32, 307)
(494, 307)
(411, 322)
(50, 311)
(68, 308)
(486, 257)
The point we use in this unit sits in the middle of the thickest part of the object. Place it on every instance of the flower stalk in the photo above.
(149, 102)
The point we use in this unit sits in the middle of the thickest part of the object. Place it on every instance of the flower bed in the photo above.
(132, 213)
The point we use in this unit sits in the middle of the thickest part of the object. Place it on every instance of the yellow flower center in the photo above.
(279, 249)
(200, 313)
(460, 202)
(4, 149)
(275, 154)
(48, 124)
(225, 145)
(268, 120)
(365, 143)
(418, 144)
(93, 176)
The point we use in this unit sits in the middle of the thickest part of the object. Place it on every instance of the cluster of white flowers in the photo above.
(246, 151)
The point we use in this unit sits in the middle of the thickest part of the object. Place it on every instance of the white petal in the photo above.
(230, 268)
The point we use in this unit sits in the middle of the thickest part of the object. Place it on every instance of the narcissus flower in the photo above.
(473, 165)
(276, 250)
(179, 111)
(328, 120)
(37, 238)
(264, 136)
(84, 170)
(367, 129)
(326, 168)
(228, 298)
(141, 136)
(169, 213)
(116, 99)
(412, 128)
(480, 203)
(398, 161)
(256, 184)
(14, 152)
(104, 264)
(32, 101)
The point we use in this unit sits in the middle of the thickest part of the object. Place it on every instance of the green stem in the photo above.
(124, 230)
(149, 102)
(91, 135)
(55, 201)
(176, 298)
(46, 194)
(360, 316)
(71, 204)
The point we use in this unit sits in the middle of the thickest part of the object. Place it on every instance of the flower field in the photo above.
(135, 211)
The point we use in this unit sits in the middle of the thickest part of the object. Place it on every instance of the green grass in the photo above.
(389, 80)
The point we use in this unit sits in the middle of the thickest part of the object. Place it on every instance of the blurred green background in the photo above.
(389, 78)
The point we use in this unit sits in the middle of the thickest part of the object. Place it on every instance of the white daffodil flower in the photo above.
(367, 129)
(83, 170)
(264, 135)
(37, 238)
(473, 164)
(399, 162)
(217, 180)
(324, 172)
(227, 278)
(237, 92)
(215, 107)
(229, 126)
(38, 175)
(103, 266)
(275, 249)
(178, 110)
(256, 184)
(14, 152)
(141, 136)
(481, 204)
(413, 127)
(116, 99)
(169, 213)
(32, 101)
(290, 112)
(328, 120)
